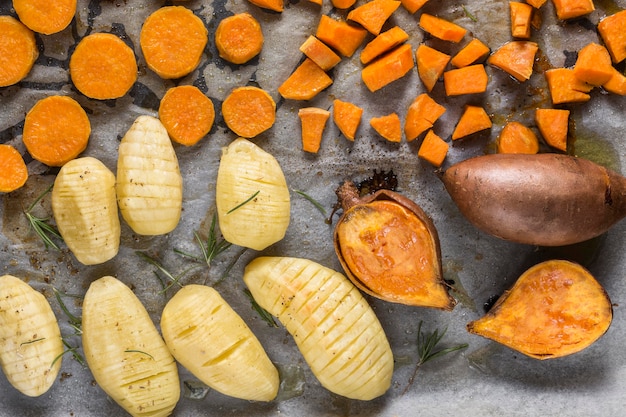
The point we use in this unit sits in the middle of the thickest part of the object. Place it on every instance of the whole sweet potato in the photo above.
(542, 199)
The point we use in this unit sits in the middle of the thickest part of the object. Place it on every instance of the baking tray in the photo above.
(485, 379)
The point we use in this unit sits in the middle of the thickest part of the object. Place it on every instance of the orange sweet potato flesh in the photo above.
(307, 81)
(474, 51)
(347, 117)
(516, 58)
(413, 6)
(570, 9)
(431, 65)
(275, 5)
(239, 38)
(249, 111)
(472, 79)
(383, 43)
(388, 68)
(612, 29)
(187, 114)
(593, 64)
(565, 87)
(370, 242)
(553, 125)
(544, 199)
(421, 116)
(313, 121)
(441, 28)
(373, 14)
(536, 3)
(616, 84)
(44, 16)
(340, 35)
(521, 16)
(433, 149)
(474, 119)
(555, 308)
(318, 52)
(515, 138)
(18, 51)
(14, 172)
(343, 4)
(388, 126)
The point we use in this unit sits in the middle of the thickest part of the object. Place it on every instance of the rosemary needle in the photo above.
(244, 202)
(312, 201)
(40, 225)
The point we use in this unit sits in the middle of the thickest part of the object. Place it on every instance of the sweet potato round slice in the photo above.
(555, 308)
(187, 114)
(14, 172)
(44, 16)
(249, 111)
(18, 50)
(239, 38)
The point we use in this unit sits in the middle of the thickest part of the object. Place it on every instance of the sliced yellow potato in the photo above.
(210, 339)
(125, 353)
(149, 183)
(334, 327)
(85, 210)
(30, 339)
(251, 196)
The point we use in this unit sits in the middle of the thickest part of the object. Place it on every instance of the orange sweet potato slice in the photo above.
(383, 43)
(249, 111)
(347, 117)
(18, 51)
(431, 65)
(421, 116)
(473, 52)
(593, 64)
(521, 17)
(570, 9)
(472, 79)
(517, 138)
(616, 84)
(388, 68)
(433, 149)
(275, 5)
(565, 87)
(553, 125)
(187, 114)
(516, 58)
(413, 6)
(313, 121)
(340, 35)
(373, 14)
(441, 28)
(44, 16)
(612, 29)
(388, 126)
(239, 38)
(474, 119)
(318, 52)
(14, 173)
(307, 81)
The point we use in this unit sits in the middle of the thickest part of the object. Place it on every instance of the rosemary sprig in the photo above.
(213, 247)
(40, 225)
(427, 349)
(468, 14)
(317, 205)
(263, 313)
(69, 348)
(244, 202)
(174, 280)
(139, 351)
(76, 323)
(32, 341)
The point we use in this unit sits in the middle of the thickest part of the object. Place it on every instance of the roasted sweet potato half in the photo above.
(554, 309)
(389, 248)
(542, 199)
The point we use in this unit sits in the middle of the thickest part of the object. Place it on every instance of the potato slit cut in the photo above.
(224, 355)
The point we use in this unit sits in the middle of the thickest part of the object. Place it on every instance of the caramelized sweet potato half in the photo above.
(554, 309)
(541, 199)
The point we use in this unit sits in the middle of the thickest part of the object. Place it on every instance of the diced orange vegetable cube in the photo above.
(305, 82)
(313, 121)
(421, 116)
(275, 5)
(474, 51)
(593, 64)
(517, 138)
(388, 68)
(553, 126)
(536, 3)
(617, 83)
(431, 64)
(383, 43)
(373, 14)
(441, 28)
(388, 126)
(472, 79)
(319, 53)
(347, 117)
(318, 2)
(343, 4)
(565, 87)
(612, 29)
(474, 119)
(412, 6)
(433, 149)
(516, 58)
(340, 35)
(570, 9)
(521, 16)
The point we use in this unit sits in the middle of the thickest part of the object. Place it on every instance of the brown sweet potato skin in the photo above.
(542, 199)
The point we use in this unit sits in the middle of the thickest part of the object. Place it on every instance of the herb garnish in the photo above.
(139, 351)
(244, 202)
(76, 323)
(40, 225)
(312, 201)
(213, 247)
(174, 280)
(263, 313)
(426, 345)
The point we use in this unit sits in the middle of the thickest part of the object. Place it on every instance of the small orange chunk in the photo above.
(616, 84)
(593, 64)
(347, 117)
(388, 68)
(474, 119)
(421, 116)
(517, 138)
(373, 14)
(612, 29)
(474, 51)
(433, 149)
(383, 43)
(553, 126)
(431, 65)
(14, 173)
(515, 58)
(318, 52)
(565, 87)
(536, 3)
(441, 28)
(472, 79)
(313, 121)
(570, 9)
(340, 35)
(307, 81)
(388, 126)
(275, 5)
(521, 16)
(413, 6)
